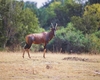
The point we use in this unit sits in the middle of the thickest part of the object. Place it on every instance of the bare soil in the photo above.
(53, 67)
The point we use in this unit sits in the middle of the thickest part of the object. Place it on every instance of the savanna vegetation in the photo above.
(78, 24)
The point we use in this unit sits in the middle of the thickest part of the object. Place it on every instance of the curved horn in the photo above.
(52, 25)
(56, 25)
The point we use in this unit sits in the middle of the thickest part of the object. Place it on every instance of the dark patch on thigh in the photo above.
(29, 43)
(27, 46)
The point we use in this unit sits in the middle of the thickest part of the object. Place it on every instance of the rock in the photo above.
(48, 66)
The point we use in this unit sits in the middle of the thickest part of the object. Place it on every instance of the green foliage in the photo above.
(82, 33)
(30, 22)
(16, 22)
(49, 14)
(70, 39)
(72, 8)
(90, 21)
(51, 9)
(59, 12)
(95, 43)
(94, 1)
(92, 12)
(97, 34)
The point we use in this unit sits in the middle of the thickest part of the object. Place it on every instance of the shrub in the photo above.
(69, 39)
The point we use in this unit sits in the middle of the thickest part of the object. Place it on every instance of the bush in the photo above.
(95, 43)
(69, 40)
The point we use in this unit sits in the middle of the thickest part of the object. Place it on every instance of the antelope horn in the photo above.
(52, 25)
(56, 25)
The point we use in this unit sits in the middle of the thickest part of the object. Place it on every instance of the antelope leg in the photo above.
(23, 53)
(44, 53)
(28, 53)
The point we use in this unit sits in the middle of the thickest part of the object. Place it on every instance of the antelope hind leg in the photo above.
(28, 53)
(26, 48)
(23, 53)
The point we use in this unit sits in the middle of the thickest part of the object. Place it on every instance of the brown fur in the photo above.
(38, 38)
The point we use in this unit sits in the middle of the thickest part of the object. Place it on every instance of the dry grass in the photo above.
(14, 67)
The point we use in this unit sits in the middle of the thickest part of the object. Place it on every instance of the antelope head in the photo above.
(53, 28)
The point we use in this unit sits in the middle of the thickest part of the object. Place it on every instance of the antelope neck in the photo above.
(51, 34)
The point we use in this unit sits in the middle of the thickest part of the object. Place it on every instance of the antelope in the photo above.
(39, 38)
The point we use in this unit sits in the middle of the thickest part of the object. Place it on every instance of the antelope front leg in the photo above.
(44, 53)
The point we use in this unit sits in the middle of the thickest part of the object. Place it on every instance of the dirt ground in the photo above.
(53, 67)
